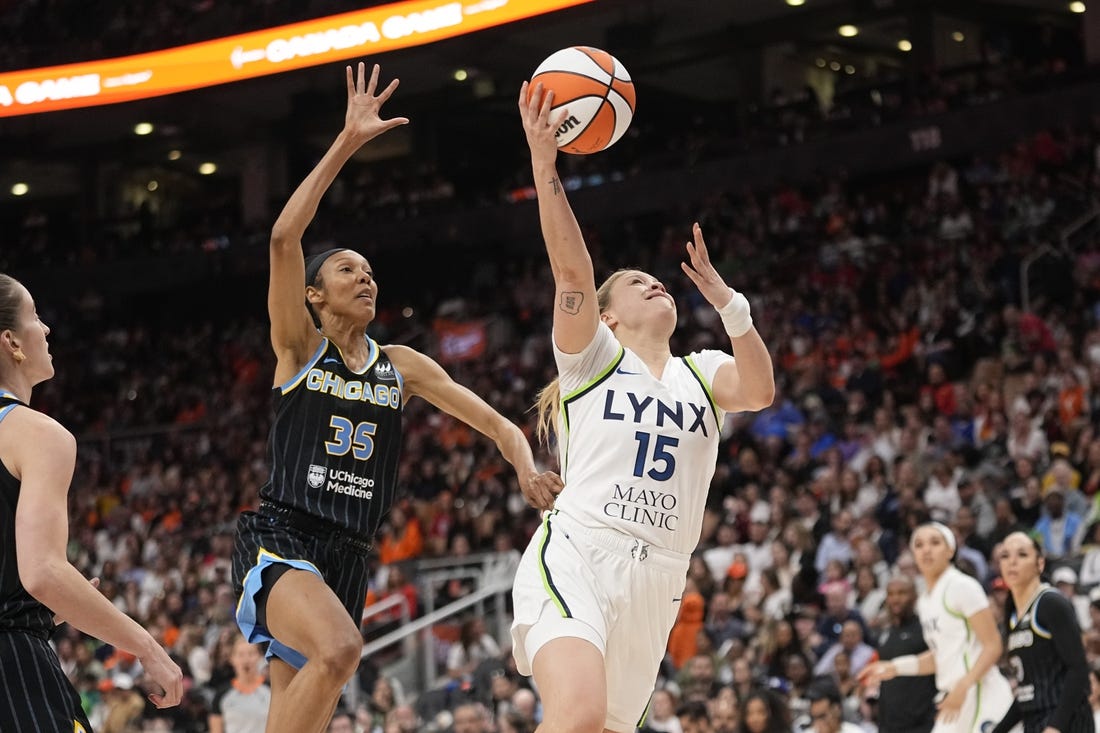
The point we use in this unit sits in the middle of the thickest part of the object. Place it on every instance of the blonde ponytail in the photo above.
(546, 406)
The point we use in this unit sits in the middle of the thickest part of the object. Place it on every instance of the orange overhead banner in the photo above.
(309, 43)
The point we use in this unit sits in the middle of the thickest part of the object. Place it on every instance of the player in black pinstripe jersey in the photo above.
(37, 458)
(1044, 647)
(300, 561)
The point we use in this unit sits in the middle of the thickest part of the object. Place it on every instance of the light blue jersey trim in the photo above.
(372, 356)
(293, 382)
(5, 410)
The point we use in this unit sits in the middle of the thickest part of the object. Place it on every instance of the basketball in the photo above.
(597, 91)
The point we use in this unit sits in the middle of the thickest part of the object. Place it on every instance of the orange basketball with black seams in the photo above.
(596, 90)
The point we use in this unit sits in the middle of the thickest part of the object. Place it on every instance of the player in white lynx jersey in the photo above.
(964, 643)
(599, 586)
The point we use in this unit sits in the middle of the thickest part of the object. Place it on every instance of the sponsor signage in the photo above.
(358, 34)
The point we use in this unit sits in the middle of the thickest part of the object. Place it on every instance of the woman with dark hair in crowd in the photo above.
(1044, 647)
(762, 711)
(302, 561)
(37, 461)
(599, 586)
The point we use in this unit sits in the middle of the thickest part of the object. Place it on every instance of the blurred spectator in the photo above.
(241, 706)
(852, 646)
(694, 717)
(763, 712)
(342, 722)
(826, 714)
(1065, 580)
(661, 717)
(471, 717)
(474, 646)
(1058, 528)
(689, 622)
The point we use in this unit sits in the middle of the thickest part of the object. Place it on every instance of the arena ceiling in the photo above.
(692, 49)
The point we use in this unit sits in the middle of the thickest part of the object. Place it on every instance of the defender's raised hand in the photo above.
(363, 120)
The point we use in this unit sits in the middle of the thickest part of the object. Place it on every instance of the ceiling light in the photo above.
(796, 3)
(461, 75)
(1076, 7)
(958, 37)
(152, 185)
(905, 45)
(174, 155)
(143, 128)
(848, 31)
(834, 65)
(19, 189)
(207, 168)
(821, 63)
(849, 69)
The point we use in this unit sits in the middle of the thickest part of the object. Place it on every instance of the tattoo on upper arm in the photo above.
(556, 185)
(571, 302)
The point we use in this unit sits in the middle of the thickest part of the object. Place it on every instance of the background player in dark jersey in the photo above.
(1044, 647)
(37, 459)
(300, 562)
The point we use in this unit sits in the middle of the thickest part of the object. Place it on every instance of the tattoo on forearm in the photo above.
(571, 302)
(556, 184)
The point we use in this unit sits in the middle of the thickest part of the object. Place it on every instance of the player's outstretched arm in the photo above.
(292, 333)
(44, 459)
(576, 314)
(749, 382)
(427, 379)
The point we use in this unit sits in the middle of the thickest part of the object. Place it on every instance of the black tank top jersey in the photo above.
(336, 439)
(18, 609)
(1033, 655)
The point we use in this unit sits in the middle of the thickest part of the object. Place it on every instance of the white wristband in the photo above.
(907, 665)
(735, 315)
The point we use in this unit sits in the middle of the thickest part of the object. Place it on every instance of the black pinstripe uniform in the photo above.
(35, 696)
(1046, 654)
(334, 450)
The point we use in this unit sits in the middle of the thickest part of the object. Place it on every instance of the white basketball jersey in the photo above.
(638, 453)
(944, 611)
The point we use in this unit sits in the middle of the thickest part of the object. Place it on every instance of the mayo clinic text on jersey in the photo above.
(642, 506)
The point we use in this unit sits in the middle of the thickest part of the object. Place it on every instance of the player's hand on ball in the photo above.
(540, 489)
(363, 120)
(534, 109)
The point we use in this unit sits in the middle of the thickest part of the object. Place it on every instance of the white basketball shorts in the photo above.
(618, 593)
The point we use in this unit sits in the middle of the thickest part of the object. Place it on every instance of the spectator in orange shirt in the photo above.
(402, 539)
(682, 640)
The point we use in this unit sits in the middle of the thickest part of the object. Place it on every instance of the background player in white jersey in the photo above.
(598, 589)
(962, 637)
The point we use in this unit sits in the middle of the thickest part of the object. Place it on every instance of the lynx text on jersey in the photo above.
(648, 410)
